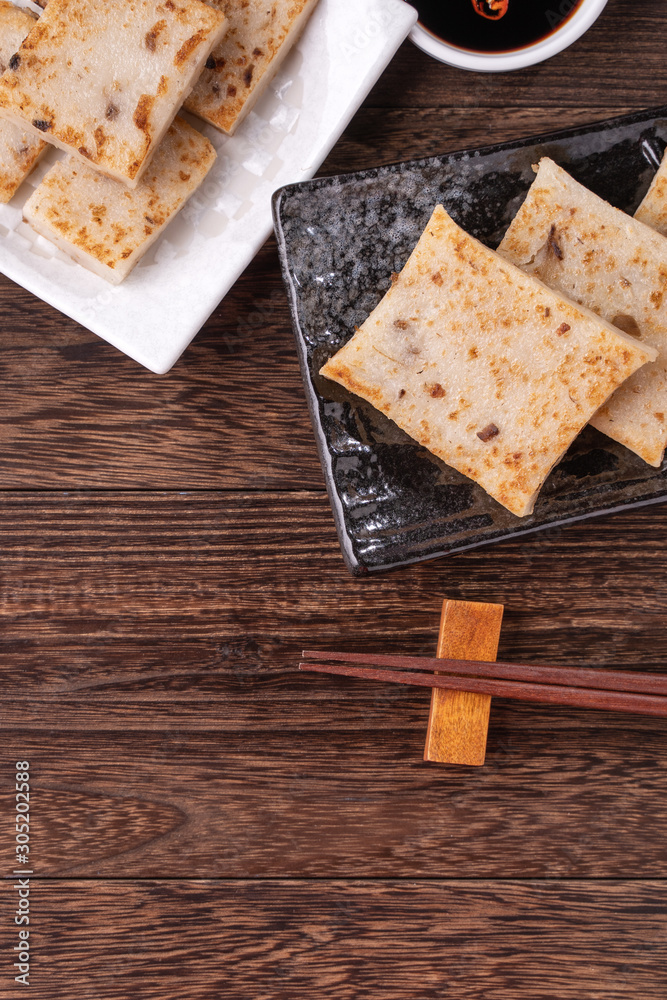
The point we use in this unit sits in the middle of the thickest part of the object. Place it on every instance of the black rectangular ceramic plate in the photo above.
(340, 238)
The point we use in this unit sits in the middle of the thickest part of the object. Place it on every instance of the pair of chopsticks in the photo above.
(611, 690)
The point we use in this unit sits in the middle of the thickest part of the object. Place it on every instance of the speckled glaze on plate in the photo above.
(340, 238)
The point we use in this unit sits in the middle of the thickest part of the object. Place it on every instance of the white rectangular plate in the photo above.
(155, 313)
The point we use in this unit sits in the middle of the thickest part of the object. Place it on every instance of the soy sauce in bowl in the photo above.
(494, 25)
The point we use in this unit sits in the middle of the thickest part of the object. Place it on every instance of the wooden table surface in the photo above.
(204, 821)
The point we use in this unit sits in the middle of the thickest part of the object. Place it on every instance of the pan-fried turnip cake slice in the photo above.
(597, 255)
(484, 365)
(19, 150)
(101, 224)
(104, 80)
(653, 209)
(259, 36)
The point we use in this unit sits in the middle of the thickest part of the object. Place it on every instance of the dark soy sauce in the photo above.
(481, 25)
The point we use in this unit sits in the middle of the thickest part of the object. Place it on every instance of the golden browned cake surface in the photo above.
(104, 81)
(602, 258)
(19, 149)
(258, 37)
(483, 365)
(104, 226)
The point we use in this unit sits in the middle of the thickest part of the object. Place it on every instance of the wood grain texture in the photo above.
(234, 565)
(222, 788)
(78, 413)
(386, 941)
(458, 721)
(166, 550)
(148, 653)
(431, 131)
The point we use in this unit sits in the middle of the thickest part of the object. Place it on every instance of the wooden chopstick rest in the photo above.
(458, 721)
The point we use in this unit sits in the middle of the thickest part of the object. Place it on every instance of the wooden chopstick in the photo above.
(612, 680)
(520, 689)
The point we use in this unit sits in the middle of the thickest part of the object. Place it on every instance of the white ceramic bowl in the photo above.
(501, 62)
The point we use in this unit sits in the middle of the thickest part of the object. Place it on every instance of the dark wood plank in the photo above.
(78, 413)
(144, 565)
(378, 136)
(340, 789)
(148, 665)
(345, 940)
